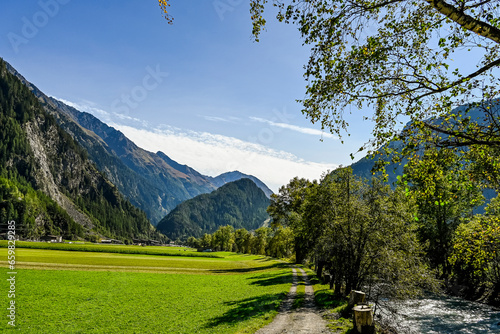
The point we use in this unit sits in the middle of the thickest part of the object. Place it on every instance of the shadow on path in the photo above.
(272, 279)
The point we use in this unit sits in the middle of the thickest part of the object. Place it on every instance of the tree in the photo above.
(193, 242)
(446, 193)
(397, 57)
(241, 237)
(485, 166)
(286, 210)
(261, 241)
(366, 234)
(206, 241)
(476, 248)
(223, 239)
(281, 243)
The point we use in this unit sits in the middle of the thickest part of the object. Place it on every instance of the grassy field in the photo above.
(103, 248)
(96, 292)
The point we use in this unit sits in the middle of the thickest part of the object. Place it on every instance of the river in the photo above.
(443, 315)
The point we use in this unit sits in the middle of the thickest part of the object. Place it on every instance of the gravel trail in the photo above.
(304, 320)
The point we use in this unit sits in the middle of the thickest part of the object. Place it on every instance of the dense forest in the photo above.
(240, 204)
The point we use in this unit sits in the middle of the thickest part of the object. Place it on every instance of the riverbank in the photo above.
(482, 294)
(444, 315)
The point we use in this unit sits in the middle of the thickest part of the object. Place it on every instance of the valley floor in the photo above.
(97, 292)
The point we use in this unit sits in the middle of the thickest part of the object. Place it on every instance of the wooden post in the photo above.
(363, 319)
(326, 278)
(357, 298)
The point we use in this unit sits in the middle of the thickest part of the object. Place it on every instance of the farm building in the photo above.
(51, 238)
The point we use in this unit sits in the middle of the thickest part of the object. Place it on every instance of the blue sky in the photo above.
(200, 90)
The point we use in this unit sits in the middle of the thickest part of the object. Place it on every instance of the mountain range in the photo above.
(151, 181)
(48, 185)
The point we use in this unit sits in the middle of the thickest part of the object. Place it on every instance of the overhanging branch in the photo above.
(468, 22)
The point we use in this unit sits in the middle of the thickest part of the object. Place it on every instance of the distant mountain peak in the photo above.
(240, 204)
(232, 176)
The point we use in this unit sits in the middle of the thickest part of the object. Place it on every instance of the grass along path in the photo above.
(300, 293)
(305, 319)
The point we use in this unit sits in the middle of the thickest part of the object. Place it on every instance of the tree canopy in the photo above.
(397, 56)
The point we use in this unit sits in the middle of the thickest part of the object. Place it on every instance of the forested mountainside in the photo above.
(151, 181)
(47, 183)
(240, 204)
(224, 178)
(145, 178)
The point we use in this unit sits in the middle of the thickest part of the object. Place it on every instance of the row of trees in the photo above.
(362, 234)
(394, 241)
(276, 242)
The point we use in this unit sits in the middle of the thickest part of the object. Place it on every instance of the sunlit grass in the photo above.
(73, 260)
(301, 293)
(109, 293)
(124, 249)
(116, 302)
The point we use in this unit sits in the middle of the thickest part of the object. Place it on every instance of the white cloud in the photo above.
(128, 118)
(213, 154)
(87, 106)
(308, 131)
(215, 119)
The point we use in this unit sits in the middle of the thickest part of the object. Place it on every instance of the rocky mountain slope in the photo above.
(47, 183)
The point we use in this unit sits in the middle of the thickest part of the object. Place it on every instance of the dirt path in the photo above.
(305, 320)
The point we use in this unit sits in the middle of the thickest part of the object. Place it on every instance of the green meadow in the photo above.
(96, 292)
(103, 248)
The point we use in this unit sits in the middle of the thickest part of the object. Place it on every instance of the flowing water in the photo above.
(443, 315)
